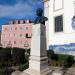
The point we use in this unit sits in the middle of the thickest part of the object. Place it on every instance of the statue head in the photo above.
(39, 12)
(40, 18)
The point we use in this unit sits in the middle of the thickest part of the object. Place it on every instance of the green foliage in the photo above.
(60, 59)
(23, 67)
(28, 51)
(50, 53)
(0, 48)
(18, 56)
(12, 57)
(6, 71)
(65, 57)
(5, 55)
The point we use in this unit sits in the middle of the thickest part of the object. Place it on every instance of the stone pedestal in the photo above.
(38, 64)
(57, 73)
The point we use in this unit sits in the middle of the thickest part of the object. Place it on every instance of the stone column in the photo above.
(38, 64)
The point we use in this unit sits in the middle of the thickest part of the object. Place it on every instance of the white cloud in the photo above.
(20, 10)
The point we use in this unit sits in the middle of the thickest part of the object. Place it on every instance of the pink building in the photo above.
(17, 34)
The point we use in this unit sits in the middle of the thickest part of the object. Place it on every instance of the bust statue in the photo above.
(40, 18)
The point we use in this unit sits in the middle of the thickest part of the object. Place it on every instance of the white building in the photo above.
(60, 27)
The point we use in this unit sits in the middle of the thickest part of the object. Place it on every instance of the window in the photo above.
(26, 44)
(20, 28)
(23, 21)
(26, 28)
(26, 35)
(9, 35)
(4, 42)
(14, 42)
(14, 35)
(5, 28)
(13, 22)
(10, 28)
(20, 35)
(16, 28)
(59, 23)
(4, 36)
(9, 42)
(18, 21)
(58, 4)
(21, 42)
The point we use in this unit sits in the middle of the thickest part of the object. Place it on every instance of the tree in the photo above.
(5, 55)
(18, 56)
(50, 54)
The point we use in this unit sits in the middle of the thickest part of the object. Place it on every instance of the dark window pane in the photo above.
(23, 21)
(59, 23)
(13, 22)
(26, 35)
(14, 42)
(18, 21)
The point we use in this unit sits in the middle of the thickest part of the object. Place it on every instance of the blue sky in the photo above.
(18, 9)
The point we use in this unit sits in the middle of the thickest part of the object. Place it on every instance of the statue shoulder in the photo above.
(45, 18)
(36, 21)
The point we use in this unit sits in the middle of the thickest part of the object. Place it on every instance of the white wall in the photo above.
(67, 10)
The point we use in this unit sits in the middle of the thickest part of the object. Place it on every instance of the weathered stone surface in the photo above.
(38, 64)
(57, 73)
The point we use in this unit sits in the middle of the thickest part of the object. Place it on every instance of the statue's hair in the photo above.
(39, 11)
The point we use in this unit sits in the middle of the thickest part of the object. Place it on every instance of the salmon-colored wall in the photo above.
(16, 32)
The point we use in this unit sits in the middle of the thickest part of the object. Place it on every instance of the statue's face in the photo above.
(39, 12)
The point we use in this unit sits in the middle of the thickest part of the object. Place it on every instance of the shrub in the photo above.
(23, 67)
(28, 51)
(1, 48)
(5, 55)
(67, 59)
(50, 53)
(6, 71)
(60, 59)
(18, 56)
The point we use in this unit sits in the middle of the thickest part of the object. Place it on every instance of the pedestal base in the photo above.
(57, 73)
(46, 71)
(37, 66)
